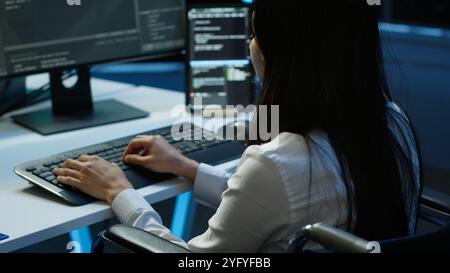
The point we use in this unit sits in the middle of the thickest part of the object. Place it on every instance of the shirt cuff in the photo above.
(128, 203)
(209, 185)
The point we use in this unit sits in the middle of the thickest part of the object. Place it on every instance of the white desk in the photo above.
(29, 215)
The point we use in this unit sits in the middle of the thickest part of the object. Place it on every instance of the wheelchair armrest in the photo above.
(333, 239)
(435, 200)
(124, 238)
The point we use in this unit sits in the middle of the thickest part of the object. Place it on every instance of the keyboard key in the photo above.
(119, 153)
(39, 171)
(120, 145)
(209, 144)
(50, 178)
(194, 145)
(178, 146)
(125, 168)
(191, 141)
(45, 174)
(54, 181)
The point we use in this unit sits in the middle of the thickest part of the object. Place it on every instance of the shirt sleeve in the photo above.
(133, 210)
(209, 185)
(253, 207)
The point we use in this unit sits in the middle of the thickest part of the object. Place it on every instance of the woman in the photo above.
(346, 154)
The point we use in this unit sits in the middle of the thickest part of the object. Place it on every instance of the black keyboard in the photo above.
(40, 172)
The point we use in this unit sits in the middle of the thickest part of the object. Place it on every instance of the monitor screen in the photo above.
(218, 63)
(40, 35)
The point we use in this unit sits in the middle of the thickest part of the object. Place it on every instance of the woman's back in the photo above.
(311, 181)
(307, 185)
(321, 65)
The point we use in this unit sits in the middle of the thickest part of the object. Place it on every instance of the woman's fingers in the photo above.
(73, 164)
(138, 145)
(67, 173)
(137, 160)
(87, 158)
(70, 181)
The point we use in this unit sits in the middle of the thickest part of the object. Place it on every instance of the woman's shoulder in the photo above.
(285, 153)
(285, 144)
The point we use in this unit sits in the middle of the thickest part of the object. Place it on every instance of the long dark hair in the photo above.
(323, 67)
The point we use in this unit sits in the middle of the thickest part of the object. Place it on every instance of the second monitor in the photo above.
(218, 64)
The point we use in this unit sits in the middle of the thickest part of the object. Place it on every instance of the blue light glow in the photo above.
(410, 29)
(83, 237)
(181, 214)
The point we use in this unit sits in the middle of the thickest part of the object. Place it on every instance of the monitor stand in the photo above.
(73, 108)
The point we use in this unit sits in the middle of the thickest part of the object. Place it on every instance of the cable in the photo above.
(35, 95)
(4, 85)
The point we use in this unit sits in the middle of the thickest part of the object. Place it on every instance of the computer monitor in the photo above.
(219, 70)
(58, 36)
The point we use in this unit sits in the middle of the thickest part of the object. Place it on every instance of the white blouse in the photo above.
(269, 199)
(278, 188)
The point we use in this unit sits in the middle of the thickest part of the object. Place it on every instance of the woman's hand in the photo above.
(155, 154)
(94, 176)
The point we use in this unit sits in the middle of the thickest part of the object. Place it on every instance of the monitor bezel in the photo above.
(187, 39)
(133, 58)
